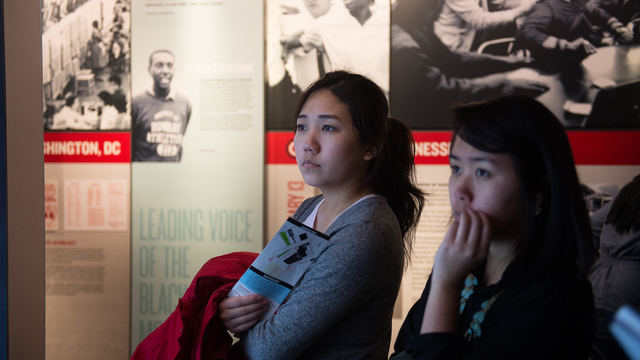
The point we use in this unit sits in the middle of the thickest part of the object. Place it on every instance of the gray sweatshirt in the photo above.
(342, 306)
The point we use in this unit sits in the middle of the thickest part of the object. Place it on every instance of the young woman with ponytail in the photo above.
(362, 161)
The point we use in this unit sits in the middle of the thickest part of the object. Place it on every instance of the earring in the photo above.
(538, 209)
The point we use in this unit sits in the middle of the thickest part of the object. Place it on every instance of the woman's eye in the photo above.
(328, 127)
(455, 169)
(301, 127)
(482, 172)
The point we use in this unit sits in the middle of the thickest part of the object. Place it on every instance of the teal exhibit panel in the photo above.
(197, 136)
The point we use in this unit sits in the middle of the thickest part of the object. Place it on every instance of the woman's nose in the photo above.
(310, 141)
(462, 189)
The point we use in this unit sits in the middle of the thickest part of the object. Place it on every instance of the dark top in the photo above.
(563, 20)
(157, 127)
(616, 275)
(623, 10)
(119, 101)
(552, 317)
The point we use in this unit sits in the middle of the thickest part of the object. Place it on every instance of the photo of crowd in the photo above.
(579, 58)
(86, 64)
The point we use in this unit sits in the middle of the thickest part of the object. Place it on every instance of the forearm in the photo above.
(474, 89)
(474, 15)
(442, 311)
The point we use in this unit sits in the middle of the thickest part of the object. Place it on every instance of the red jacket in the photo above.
(194, 330)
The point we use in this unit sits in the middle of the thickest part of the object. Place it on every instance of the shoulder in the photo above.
(141, 98)
(335, 15)
(181, 98)
(564, 283)
(373, 211)
(370, 225)
(306, 207)
(563, 296)
(543, 8)
(368, 231)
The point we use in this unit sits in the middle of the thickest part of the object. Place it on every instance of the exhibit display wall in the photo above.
(169, 138)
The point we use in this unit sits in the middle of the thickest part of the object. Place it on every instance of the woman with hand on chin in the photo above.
(508, 280)
(362, 161)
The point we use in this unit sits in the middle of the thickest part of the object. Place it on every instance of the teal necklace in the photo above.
(470, 284)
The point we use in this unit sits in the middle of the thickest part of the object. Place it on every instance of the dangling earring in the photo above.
(538, 210)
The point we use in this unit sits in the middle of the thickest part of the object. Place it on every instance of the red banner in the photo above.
(432, 147)
(605, 147)
(87, 147)
(280, 148)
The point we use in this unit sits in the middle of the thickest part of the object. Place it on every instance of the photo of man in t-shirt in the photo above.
(160, 115)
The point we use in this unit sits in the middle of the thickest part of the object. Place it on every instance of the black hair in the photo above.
(95, 24)
(391, 173)
(115, 79)
(624, 214)
(70, 100)
(557, 230)
(159, 51)
(105, 97)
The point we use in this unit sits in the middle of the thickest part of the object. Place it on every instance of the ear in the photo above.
(370, 153)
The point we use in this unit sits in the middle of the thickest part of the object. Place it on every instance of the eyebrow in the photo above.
(473, 159)
(322, 116)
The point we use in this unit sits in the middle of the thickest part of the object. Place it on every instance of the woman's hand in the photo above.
(465, 246)
(242, 312)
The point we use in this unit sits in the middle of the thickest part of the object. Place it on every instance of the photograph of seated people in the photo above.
(317, 36)
(362, 161)
(290, 69)
(577, 59)
(509, 278)
(616, 274)
(459, 20)
(70, 117)
(427, 77)
(625, 11)
(560, 31)
(82, 69)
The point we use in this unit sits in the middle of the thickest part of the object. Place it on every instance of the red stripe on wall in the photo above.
(605, 147)
(87, 147)
(432, 147)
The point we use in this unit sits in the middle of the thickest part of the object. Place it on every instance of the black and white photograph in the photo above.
(306, 38)
(580, 58)
(86, 64)
(160, 114)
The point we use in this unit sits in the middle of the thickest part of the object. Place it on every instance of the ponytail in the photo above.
(392, 172)
(392, 175)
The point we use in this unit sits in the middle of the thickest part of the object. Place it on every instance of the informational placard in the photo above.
(95, 204)
(88, 244)
(197, 145)
(51, 205)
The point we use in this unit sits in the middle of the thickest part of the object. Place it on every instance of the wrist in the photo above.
(614, 23)
(447, 284)
(561, 44)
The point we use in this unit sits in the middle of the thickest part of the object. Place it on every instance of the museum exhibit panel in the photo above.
(168, 127)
